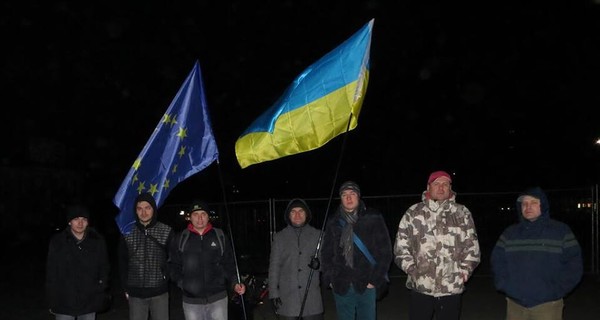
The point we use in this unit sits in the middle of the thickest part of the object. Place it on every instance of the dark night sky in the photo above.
(504, 95)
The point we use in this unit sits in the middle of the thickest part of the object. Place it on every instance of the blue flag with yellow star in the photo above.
(181, 145)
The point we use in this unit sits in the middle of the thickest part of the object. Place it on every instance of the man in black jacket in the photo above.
(77, 269)
(353, 268)
(202, 265)
(143, 255)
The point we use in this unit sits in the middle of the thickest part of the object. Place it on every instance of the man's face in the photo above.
(439, 189)
(199, 220)
(144, 211)
(350, 200)
(78, 225)
(531, 208)
(298, 216)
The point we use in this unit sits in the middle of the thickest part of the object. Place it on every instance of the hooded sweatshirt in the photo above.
(535, 262)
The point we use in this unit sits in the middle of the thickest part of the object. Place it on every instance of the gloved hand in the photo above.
(276, 303)
(314, 263)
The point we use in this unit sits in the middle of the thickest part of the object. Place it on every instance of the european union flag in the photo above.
(321, 103)
(181, 145)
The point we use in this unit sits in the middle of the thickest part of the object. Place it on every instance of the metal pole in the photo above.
(318, 248)
(593, 231)
(237, 269)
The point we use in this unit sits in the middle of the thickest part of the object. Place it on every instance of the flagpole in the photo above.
(318, 248)
(237, 269)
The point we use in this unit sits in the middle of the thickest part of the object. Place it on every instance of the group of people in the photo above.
(536, 262)
(199, 260)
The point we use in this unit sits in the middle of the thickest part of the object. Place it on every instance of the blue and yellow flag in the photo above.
(181, 145)
(315, 108)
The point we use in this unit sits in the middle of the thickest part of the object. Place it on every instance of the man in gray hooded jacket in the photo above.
(289, 271)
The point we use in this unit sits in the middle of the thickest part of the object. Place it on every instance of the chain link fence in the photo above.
(254, 222)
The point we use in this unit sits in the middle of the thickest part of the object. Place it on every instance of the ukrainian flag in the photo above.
(323, 102)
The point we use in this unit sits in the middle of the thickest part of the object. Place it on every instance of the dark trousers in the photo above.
(313, 317)
(423, 307)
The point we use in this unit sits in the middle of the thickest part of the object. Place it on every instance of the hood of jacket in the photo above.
(150, 199)
(294, 203)
(537, 193)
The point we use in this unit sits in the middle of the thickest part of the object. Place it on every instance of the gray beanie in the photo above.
(350, 185)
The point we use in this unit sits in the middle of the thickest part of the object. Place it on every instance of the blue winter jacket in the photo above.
(536, 262)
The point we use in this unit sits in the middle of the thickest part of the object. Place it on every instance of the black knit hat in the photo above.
(199, 205)
(76, 211)
(350, 185)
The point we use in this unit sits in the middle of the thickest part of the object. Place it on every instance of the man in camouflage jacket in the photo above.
(436, 245)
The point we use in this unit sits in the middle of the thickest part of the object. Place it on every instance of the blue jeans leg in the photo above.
(366, 305)
(354, 305)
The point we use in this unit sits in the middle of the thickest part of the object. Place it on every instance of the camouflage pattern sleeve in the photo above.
(403, 257)
(470, 244)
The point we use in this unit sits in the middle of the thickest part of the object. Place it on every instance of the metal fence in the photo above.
(254, 222)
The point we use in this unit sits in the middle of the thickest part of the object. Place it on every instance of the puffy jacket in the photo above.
(437, 246)
(143, 257)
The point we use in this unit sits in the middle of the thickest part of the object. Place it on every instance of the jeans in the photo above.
(552, 310)
(211, 311)
(87, 316)
(354, 305)
(157, 307)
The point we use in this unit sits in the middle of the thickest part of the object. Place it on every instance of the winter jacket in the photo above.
(76, 273)
(437, 246)
(202, 269)
(291, 252)
(536, 261)
(372, 230)
(143, 257)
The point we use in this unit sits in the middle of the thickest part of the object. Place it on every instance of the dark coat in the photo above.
(535, 262)
(202, 269)
(76, 274)
(373, 232)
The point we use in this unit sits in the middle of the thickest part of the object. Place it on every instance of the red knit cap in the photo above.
(438, 174)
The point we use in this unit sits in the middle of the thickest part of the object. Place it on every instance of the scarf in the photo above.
(346, 241)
